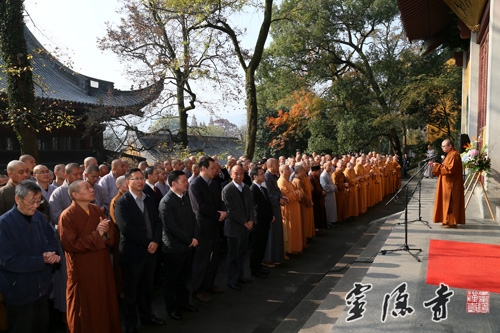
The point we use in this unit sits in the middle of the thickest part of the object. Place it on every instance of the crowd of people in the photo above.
(83, 239)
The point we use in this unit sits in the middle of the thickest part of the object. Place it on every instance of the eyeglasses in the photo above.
(34, 203)
(139, 179)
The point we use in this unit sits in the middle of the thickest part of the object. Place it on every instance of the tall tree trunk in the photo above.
(181, 107)
(395, 143)
(252, 113)
(20, 88)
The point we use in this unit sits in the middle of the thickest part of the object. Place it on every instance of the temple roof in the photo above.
(431, 20)
(159, 145)
(55, 81)
(423, 20)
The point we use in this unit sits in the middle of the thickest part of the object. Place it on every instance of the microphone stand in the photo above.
(419, 186)
(405, 246)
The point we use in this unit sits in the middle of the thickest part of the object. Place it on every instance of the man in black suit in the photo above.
(178, 221)
(151, 174)
(140, 234)
(240, 216)
(210, 212)
(263, 219)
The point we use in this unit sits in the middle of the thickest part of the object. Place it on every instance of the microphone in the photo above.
(429, 158)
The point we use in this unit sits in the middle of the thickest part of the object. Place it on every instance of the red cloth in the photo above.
(464, 265)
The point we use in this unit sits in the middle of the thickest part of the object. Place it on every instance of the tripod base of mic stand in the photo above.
(421, 221)
(406, 248)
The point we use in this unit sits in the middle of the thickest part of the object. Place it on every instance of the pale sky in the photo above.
(73, 26)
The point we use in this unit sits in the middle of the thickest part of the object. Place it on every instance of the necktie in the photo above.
(264, 191)
(157, 192)
(147, 222)
(140, 203)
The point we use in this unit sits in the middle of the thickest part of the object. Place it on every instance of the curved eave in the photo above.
(55, 82)
(115, 102)
(423, 20)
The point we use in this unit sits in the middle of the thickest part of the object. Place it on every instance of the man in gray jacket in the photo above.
(240, 216)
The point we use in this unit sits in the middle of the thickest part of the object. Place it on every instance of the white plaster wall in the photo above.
(493, 104)
(469, 119)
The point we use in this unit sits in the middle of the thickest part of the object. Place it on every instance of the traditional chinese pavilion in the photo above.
(55, 82)
(478, 21)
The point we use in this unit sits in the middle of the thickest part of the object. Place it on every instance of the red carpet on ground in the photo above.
(472, 266)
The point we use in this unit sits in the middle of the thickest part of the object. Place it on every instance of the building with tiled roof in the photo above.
(160, 145)
(55, 82)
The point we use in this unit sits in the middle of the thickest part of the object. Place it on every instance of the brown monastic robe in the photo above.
(449, 205)
(91, 295)
(318, 197)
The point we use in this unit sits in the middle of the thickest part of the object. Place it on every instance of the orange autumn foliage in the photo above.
(304, 106)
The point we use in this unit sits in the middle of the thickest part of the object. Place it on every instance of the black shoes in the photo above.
(153, 321)
(260, 274)
(234, 286)
(216, 290)
(203, 297)
(244, 280)
(131, 330)
(191, 308)
(175, 315)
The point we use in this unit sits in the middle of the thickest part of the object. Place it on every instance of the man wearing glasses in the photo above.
(42, 177)
(27, 253)
(140, 227)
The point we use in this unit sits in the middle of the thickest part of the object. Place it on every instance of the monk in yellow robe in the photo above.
(397, 167)
(362, 194)
(292, 223)
(92, 304)
(342, 185)
(369, 183)
(302, 183)
(377, 177)
(382, 177)
(449, 205)
(352, 179)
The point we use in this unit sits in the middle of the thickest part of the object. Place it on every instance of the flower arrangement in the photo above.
(474, 159)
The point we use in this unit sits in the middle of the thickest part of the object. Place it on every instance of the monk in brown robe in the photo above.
(292, 220)
(318, 197)
(85, 232)
(449, 206)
